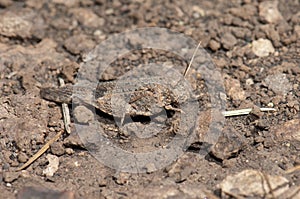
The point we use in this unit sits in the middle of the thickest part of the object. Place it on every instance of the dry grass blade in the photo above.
(244, 111)
(192, 59)
(40, 152)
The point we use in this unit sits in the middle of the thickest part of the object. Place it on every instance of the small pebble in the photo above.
(52, 166)
(25, 174)
(73, 140)
(87, 17)
(83, 114)
(228, 41)
(249, 82)
(22, 157)
(268, 11)
(214, 45)
(78, 44)
(76, 164)
(57, 148)
(109, 11)
(10, 176)
(271, 105)
(69, 151)
(234, 89)
(262, 47)
(279, 83)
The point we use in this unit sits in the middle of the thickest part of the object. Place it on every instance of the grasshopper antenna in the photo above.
(192, 59)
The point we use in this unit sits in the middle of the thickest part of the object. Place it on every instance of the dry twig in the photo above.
(65, 110)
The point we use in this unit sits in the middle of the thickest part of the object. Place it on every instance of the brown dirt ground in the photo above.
(41, 40)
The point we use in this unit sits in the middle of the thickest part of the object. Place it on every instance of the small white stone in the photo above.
(271, 105)
(109, 11)
(52, 166)
(262, 47)
(268, 11)
(98, 33)
(249, 82)
(76, 164)
(69, 151)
